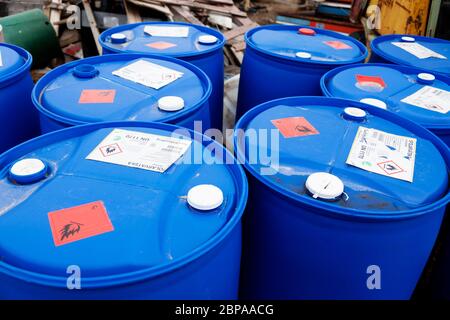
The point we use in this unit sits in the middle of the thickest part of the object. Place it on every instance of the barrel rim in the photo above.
(130, 26)
(402, 68)
(22, 70)
(43, 82)
(375, 50)
(236, 172)
(360, 45)
(326, 208)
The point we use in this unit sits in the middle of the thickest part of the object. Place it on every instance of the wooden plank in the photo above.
(153, 5)
(239, 30)
(433, 19)
(55, 15)
(92, 24)
(186, 14)
(228, 2)
(69, 37)
(214, 8)
(242, 21)
(132, 12)
(239, 46)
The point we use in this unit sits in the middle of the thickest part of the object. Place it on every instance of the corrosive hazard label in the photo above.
(383, 153)
(97, 96)
(80, 222)
(140, 150)
(294, 127)
(110, 150)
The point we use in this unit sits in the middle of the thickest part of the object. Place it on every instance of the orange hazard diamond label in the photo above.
(338, 45)
(294, 127)
(80, 222)
(97, 96)
(390, 167)
(370, 80)
(161, 45)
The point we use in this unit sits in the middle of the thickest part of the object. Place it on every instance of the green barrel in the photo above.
(32, 31)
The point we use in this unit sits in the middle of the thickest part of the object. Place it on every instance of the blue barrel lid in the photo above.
(136, 220)
(175, 39)
(315, 144)
(407, 91)
(306, 44)
(134, 87)
(13, 61)
(431, 54)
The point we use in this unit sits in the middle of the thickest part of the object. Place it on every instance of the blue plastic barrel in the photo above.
(128, 87)
(420, 96)
(319, 228)
(120, 210)
(429, 54)
(199, 45)
(282, 61)
(18, 118)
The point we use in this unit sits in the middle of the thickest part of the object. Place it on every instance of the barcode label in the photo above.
(383, 153)
(430, 98)
(418, 50)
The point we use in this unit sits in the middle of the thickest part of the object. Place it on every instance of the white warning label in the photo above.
(148, 74)
(140, 150)
(383, 153)
(418, 50)
(172, 32)
(430, 98)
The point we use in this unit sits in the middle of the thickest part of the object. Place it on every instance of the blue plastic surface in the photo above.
(57, 94)
(298, 247)
(384, 51)
(399, 83)
(272, 70)
(208, 57)
(160, 247)
(18, 118)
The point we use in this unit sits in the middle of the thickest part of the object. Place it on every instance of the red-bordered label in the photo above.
(110, 150)
(294, 127)
(390, 167)
(80, 222)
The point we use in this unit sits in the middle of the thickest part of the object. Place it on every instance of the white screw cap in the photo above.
(207, 39)
(171, 103)
(303, 55)
(426, 77)
(374, 102)
(27, 167)
(408, 39)
(118, 38)
(323, 185)
(354, 113)
(205, 197)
